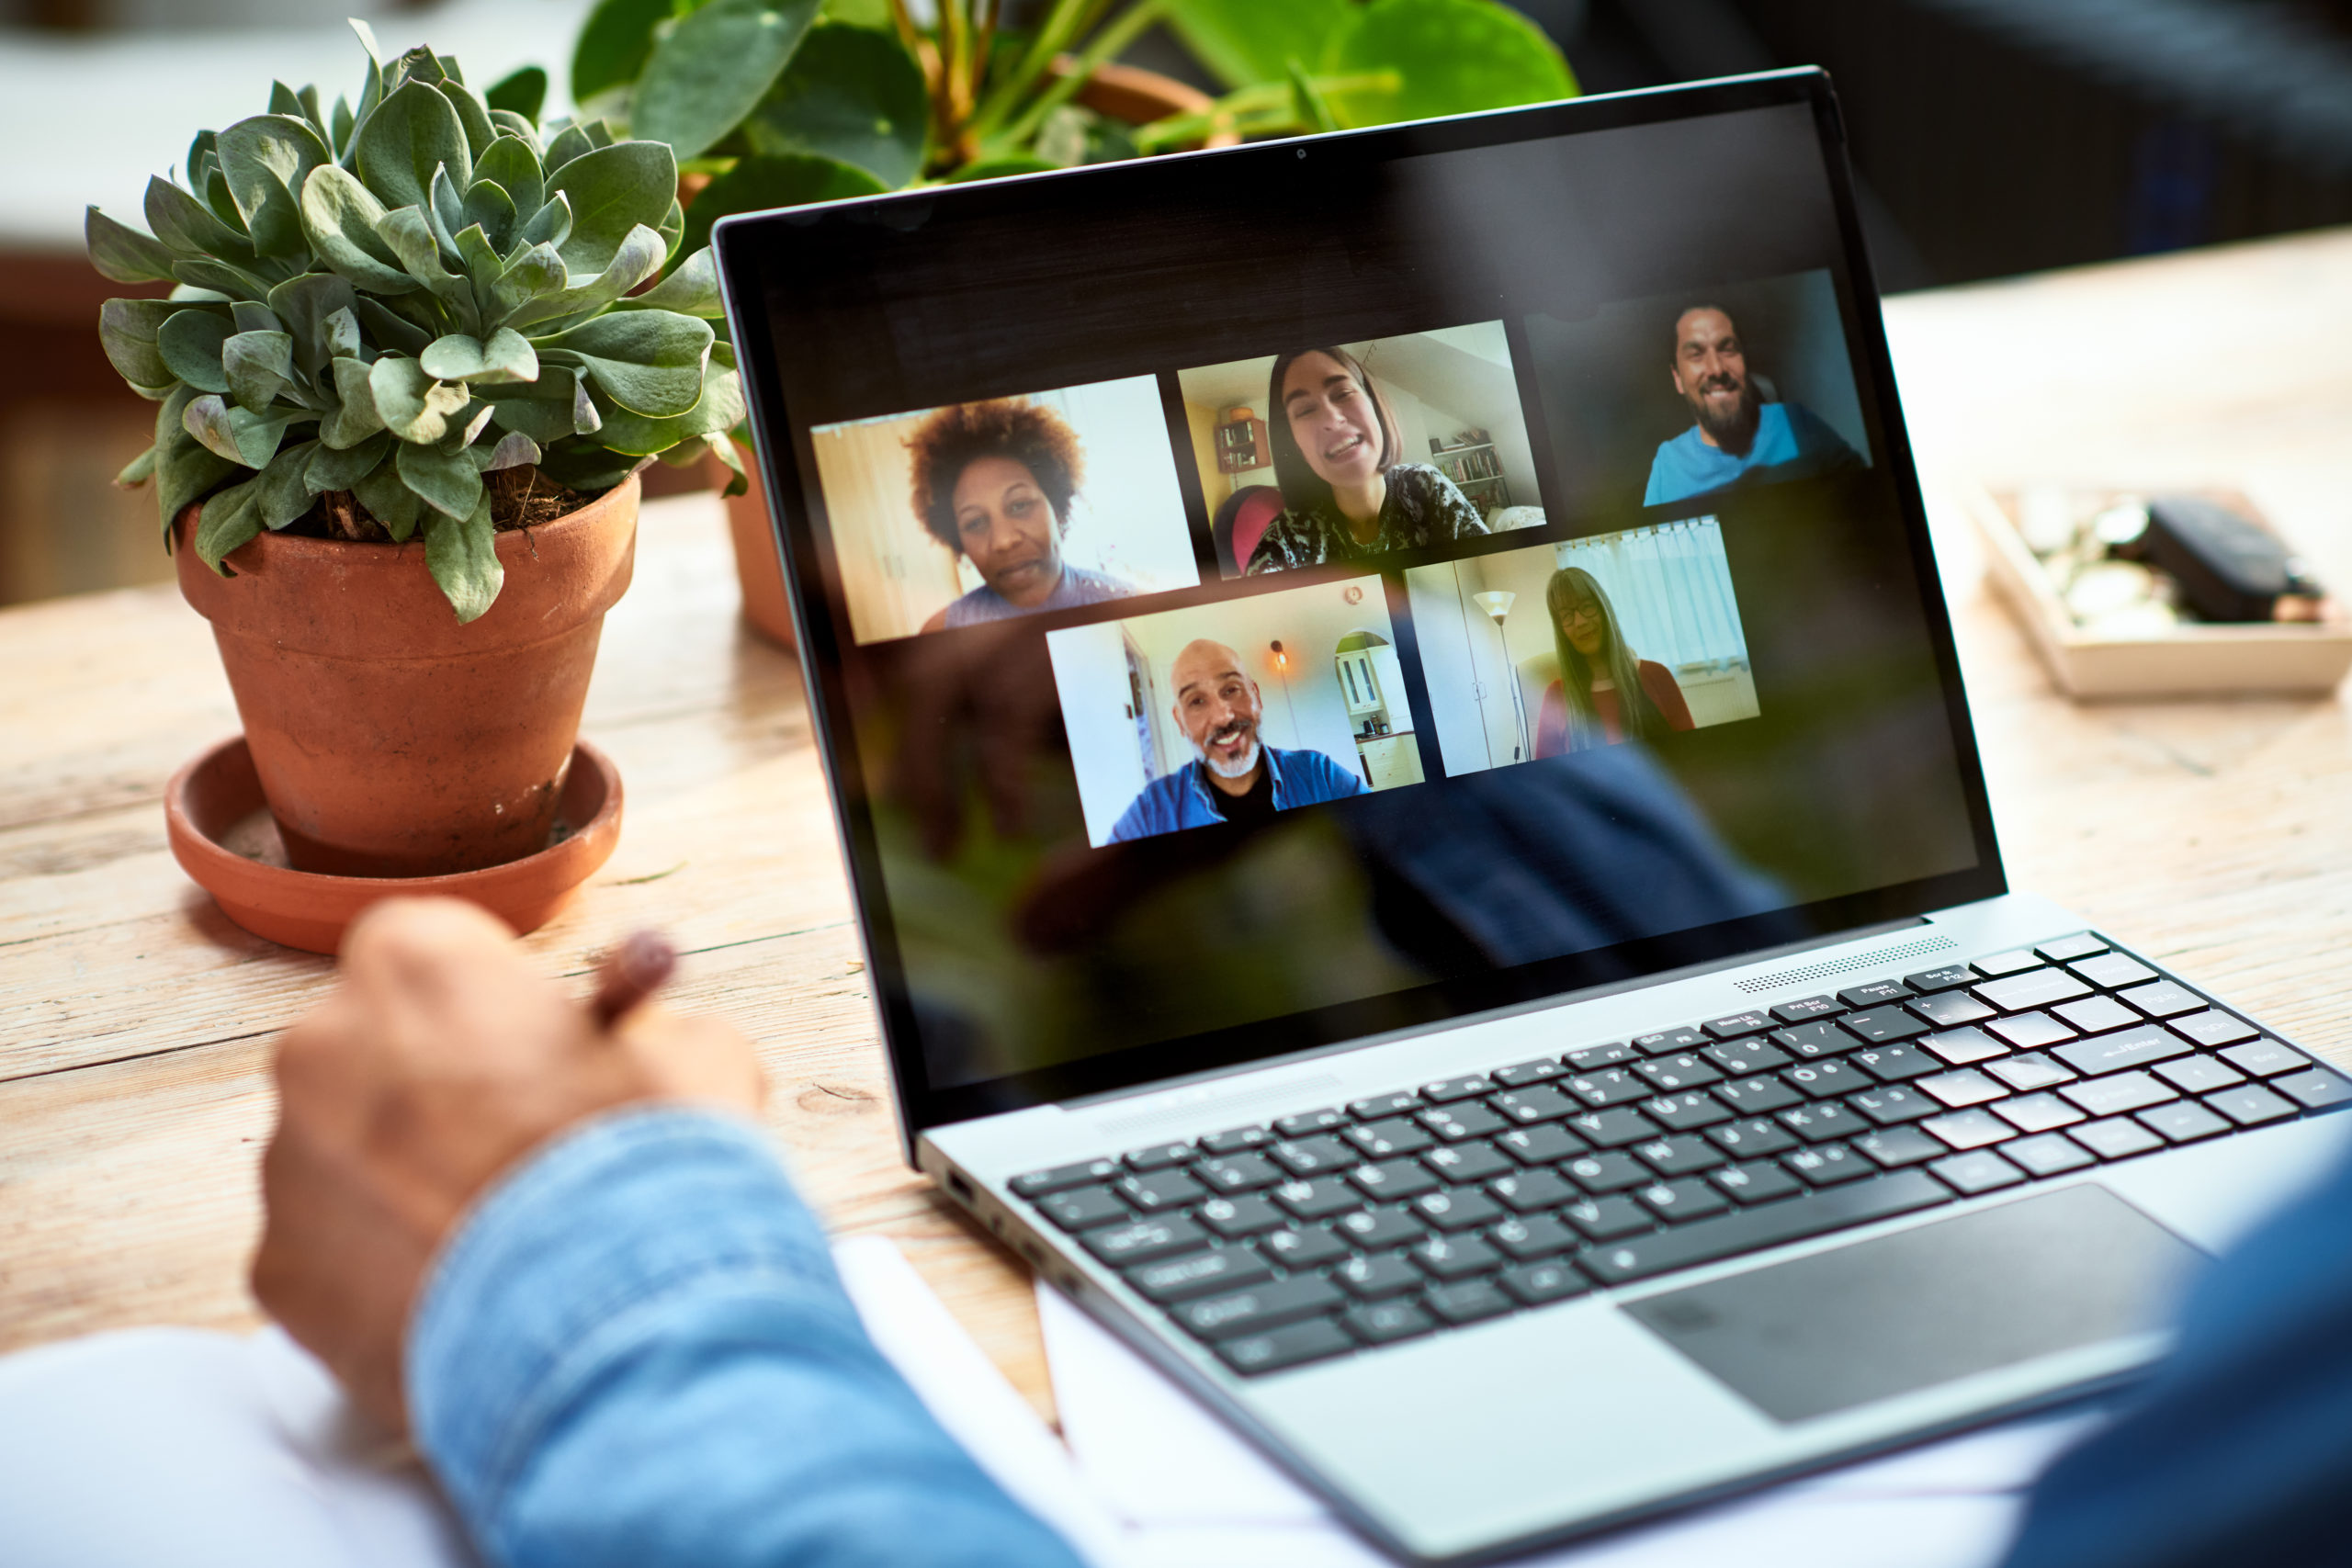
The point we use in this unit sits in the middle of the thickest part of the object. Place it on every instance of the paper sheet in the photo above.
(176, 1446)
(1194, 1492)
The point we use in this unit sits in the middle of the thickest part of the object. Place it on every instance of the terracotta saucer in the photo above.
(223, 836)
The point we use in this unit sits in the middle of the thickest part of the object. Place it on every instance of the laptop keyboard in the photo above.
(1406, 1213)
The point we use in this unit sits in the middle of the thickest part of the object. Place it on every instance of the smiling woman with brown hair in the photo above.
(993, 482)
(1345, 493)
(1606, 692)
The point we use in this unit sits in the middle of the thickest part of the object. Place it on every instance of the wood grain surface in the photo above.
(136, 1025)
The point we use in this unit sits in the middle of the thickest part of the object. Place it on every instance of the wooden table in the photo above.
(136, 1023)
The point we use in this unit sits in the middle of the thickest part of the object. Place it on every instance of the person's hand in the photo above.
(438, 1062)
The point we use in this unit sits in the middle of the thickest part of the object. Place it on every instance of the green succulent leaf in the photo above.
(448, 482)
(650, 362)
(237, 433)
(127, 329)
(393, 330)
(547, 410)
(755, 184)
(231, 517)
(713, 68)
(483, 269)
(639, 257)
(354, 419)
(330, 468)
(1447, 57)
(190, 344)
(412, 404)
(391, 503)
(691, 290)
(513, 166)
(260, 367)
(138, 471)
(121, 253)
(317, 309)
(340, 215)
(523, 92)
(586, 466)
(340, 126)
(188, 227)
(491, 210)
(265, 160)
(410, 235)
(415, 131)
(1245, 41)
(723, 448)
(507, 356)
(283, 492)
(221, 280)
(462, 554)
(719, 410)
(612, 191)
(570, 143)
(282, 100)
(551, 225)
(186, 469)
(474, 114)
(614, 43)
(514, 450)
(851, 95)
(532, 274)
(512, 124)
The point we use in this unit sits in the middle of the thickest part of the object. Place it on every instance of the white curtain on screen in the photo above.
(1671, 585)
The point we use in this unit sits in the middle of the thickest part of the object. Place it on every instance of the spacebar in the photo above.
(1706, 1240)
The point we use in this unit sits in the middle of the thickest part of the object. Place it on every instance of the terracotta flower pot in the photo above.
(766, 605)
(1126, 92)
(390, 740)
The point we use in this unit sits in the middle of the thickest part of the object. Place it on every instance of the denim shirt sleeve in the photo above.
(635, 1351)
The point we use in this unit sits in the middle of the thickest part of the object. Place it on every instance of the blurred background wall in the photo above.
(1991, 137)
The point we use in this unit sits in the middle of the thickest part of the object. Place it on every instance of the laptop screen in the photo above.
(1271, 598)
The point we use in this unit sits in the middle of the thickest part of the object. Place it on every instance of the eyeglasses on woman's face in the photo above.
(1585, 614)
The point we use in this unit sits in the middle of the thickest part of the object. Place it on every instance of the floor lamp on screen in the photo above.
(1496, 603)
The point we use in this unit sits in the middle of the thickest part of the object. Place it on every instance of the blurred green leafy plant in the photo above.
(776, 103)
(376, 308)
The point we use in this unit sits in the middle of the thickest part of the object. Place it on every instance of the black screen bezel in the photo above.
(747, 245)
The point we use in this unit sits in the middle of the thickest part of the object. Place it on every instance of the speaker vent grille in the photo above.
(1762, 983)
(1190, 1109)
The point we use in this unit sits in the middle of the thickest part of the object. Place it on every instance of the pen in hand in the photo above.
(630, 973)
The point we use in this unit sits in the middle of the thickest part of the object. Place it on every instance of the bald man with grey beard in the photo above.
(1234, 776)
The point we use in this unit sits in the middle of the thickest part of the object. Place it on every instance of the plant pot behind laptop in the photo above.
(393, 740)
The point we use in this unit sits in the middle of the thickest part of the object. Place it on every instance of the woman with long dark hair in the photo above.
(1606, 692)
(1345, 492)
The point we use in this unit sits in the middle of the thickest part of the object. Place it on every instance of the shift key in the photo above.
(1750, 1229)
(1246, 1312)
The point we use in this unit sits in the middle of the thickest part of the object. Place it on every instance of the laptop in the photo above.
(1414, 819)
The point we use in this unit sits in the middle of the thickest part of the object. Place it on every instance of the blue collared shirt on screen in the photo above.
(1787, 437)
(1182, 799)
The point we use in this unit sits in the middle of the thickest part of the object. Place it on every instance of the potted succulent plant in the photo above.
(775, 103)
(404, 384)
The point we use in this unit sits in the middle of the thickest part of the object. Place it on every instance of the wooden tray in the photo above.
(2192, 659)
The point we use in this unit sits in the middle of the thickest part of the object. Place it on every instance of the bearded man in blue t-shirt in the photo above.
(1739, 437)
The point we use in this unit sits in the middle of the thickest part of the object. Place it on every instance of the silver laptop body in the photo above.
(1520, 1105)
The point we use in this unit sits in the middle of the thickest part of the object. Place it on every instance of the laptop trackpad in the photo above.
(1927, 1306)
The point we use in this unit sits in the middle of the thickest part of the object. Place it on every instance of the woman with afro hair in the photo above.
(993, 482)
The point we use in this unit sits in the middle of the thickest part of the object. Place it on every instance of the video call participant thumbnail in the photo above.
(993, 482)
(1346, 492)
(1606, 692)
(1736, 434)
(1234, 776)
